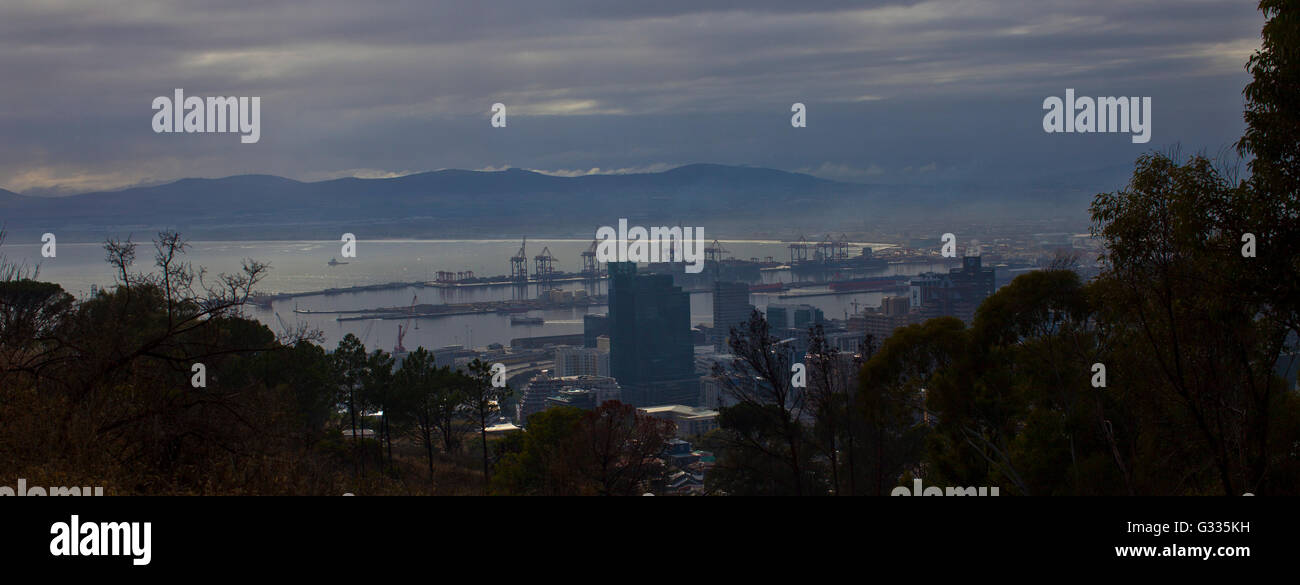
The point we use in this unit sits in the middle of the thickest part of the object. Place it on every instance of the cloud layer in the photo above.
(897, 91)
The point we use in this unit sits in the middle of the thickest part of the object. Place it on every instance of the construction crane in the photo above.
(402, 331)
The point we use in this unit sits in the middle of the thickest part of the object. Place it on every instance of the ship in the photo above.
(872, 284)
(527, 321)
(335, 262)
(769, 287)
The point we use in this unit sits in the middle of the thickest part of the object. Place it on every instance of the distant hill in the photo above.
(430, 203)
(460, 203)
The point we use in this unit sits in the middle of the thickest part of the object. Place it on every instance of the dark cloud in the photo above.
(951, 86)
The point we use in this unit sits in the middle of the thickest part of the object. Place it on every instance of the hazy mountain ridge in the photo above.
(461, 202)
(486, 198)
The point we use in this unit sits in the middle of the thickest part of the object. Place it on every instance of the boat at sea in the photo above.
(875, 283)
(527, 321)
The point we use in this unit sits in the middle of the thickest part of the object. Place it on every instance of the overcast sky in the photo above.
(897, 91)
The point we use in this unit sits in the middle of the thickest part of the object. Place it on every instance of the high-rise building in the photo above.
(651, 352)
(593, 326)
(957, 293)
(894, 306)
(894, 312)
(731, 308)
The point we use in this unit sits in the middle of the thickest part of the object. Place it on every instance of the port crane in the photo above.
(544, 270)
(591, 268)
(519, 264)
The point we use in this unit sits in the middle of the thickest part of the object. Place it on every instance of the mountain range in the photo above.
(461, 203)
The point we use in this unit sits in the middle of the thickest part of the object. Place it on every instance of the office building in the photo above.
(593, 326)
(690, 421)
(580, 391)
(781, 317)
(731, 308)
(651, 351)
(957, 293)
(581, 361)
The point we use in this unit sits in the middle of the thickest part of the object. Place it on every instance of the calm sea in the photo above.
(303, 266)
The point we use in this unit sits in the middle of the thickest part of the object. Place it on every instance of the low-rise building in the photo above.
(691, 421)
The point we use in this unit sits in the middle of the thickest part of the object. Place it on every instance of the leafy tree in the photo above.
(1172, 293)
(1269, 207)
(530, 460)
(616, 450)
(31, 314)
(380, 394)
(897, 383)
(350, 366)
(432, 397)
(483, 402)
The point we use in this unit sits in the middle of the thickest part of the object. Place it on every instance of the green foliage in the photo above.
(613, 450)
(528, 460)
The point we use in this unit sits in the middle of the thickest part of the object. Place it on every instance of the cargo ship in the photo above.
(527, 321)
(872, 284)
(770, 287)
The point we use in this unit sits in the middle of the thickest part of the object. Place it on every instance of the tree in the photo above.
(771, 408)
(31, 314)
(105, 391)
(432, 398)
(530, 459)
(1270, 207)
(616, 450)
(613, 450)
(832, 377)
(483, 402)
(378, 389)
(1172, 292)
(350, 366)
(896, 386)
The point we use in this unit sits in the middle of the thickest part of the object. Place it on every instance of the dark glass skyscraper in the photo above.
(731, 308)
(593, 326)
(651, 352)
